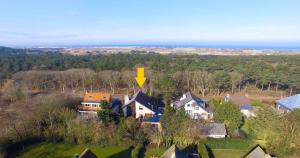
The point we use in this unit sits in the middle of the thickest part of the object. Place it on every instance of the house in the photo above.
(244, 104)
(214, 130)
(174, 152)
(194, 106)
(247, 110)
(153, 121)
(288, 104)
(257, 152)
(87, 153)
(140, 105)
(92, 102)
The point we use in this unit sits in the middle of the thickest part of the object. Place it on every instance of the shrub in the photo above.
(136, 151)
(202, 150)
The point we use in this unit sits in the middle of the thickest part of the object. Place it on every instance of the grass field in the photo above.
(228, 153)
(59, 150)
(50, 150)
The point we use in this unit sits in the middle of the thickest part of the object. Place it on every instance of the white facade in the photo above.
(196, 111)
(216, 136)
(141, 110)
(247, 113)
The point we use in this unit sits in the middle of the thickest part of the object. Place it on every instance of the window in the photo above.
(104, 97)
(90, 96)
(140, 108)
(188, 105)
(86, 104)
(189, 112)
(94, 105)
(197, 108)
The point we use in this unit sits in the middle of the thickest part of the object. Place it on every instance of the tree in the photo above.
(236, 80)
(229, 114)
(104, 116)
(222, 81)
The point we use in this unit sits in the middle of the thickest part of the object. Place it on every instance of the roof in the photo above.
(188, 96)
(173, 152)
(246, 107)
(153, 119)
(256, 152)
(240, 100)
(150, 103)
(214, 129)
(291, 102)
(96, 97)
(87, 153)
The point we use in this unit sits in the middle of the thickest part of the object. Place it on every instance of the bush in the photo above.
(202, 150)
(228, 143)
(136, 151)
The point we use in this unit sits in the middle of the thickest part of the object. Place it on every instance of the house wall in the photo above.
(216, 136)
(282, 109)
(90, 106)
(193, 111)
(143, 111)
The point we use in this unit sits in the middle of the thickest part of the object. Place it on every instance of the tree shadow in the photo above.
(210, 152)
(122, 154)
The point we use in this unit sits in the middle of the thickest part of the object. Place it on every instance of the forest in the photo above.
(168, 73)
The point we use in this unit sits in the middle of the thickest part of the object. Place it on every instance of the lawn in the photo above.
(51, 150)
(60, 150)
(154, 152)
(228, 153)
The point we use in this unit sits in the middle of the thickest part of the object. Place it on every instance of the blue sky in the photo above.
(92, 22)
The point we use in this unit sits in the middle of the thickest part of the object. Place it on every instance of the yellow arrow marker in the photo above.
(140, 78)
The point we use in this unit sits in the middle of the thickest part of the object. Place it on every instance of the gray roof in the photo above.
(256, 152)
(152, 104)
(174, 152)
(189, 97)
(87, 153)
(214, 129)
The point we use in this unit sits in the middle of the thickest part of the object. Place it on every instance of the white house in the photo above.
(193, 106)
(141, 105)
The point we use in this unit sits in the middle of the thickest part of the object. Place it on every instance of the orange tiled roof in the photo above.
(96, 97)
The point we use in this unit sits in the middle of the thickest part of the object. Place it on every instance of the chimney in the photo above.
(183, 97)
(126, 99)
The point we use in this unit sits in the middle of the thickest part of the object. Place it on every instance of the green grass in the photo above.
(228, 153)
(154, 152)
(51, 150)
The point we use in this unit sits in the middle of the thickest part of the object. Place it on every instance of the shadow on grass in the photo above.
(210, 152)
(122, 154)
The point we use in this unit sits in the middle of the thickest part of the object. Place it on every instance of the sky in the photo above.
(106, 22)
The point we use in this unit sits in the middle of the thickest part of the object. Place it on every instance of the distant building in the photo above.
(194, 106)
(244, 104)
(257, 152)
(288, 104)
(214, 130)
(92, 102)
(140, 105)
